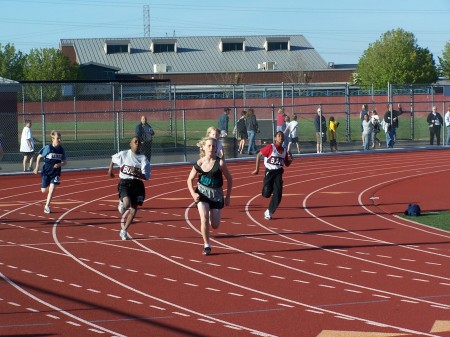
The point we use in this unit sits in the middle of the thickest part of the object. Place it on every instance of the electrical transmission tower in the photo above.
(146, 21)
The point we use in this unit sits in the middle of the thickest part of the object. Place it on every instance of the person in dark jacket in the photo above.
(320, 125)
(145, 134)
(222, 124)
(252, 128)
(435, 121)
(241, 131)
(391, 119)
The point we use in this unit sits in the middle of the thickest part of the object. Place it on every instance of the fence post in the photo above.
(75, 116)
(122, 115)
(184, 136)
(348, 130)
(273, 122)
(175, 127)
(172, 107)
(320, 130)
(412, 136)
(443, 126)
(43, 116)
(115, 119)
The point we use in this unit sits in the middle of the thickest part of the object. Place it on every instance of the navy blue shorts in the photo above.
(49, 179)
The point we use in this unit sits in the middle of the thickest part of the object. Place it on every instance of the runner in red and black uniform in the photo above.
(275, 157)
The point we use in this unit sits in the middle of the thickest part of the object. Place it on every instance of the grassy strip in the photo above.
(439, 220)
(195, 129)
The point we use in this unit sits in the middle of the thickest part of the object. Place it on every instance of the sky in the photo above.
(339, 30)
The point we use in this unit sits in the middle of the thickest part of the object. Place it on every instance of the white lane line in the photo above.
(55, 308)
(213, 289)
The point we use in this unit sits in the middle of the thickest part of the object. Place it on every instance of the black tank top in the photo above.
(212, 178)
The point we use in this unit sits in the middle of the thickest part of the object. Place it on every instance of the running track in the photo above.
(334, 262)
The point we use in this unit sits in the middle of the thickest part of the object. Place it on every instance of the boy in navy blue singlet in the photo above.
(54, 158)
(275, 157)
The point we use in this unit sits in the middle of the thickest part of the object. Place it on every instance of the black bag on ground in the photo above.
(413, 210)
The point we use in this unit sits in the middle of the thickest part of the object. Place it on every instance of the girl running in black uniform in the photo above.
(208, 195)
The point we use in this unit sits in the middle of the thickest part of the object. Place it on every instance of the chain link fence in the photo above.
(97, 119)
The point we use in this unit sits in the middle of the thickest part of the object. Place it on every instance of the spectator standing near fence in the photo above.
(291, 133)
(252, 128)
(287, 120)
(375, 120)
(27, 146)
(54, 158)
(223, 122)
(134, 168)
(333, 125)
(391, 120)
(447, 126)
(434, 120)
(320, 125)
(367, 132)
(364, 111)
(208, 195)
(240, 131)
(281, 125)
(213, 132)
(145, 134)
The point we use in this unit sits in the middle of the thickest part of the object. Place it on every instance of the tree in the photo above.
(11, 62)
(444, 61)
(396, 58)
(49, 64)
(46, 65)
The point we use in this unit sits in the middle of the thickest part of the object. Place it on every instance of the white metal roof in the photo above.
(199, 54)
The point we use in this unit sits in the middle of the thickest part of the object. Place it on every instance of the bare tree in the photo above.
(299, 76)
(225, 81)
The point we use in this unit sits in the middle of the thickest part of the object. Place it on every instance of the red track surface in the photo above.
(334, 262)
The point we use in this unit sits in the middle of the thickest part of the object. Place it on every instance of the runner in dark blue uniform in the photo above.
(54, 158)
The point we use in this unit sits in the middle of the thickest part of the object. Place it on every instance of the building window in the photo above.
(163, 48)
(277, 46)
(277, 43)
(231, 46)
(116, 48)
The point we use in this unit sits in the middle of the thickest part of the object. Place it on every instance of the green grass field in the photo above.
(170, 132)
(439, 220)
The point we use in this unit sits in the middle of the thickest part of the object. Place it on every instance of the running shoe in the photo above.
(267, 215)
(207, 250)
(47, 210)
(120, 208)
(123, 234)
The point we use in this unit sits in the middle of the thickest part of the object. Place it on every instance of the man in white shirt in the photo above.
(27, 146)
(292, 133)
